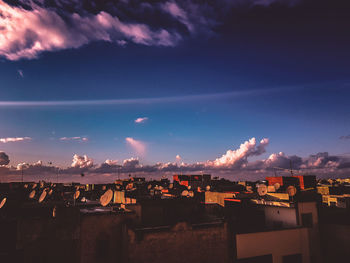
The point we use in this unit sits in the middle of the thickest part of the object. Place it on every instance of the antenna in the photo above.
(291, 167)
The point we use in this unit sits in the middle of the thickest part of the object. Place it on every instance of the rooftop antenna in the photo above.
(22, 173)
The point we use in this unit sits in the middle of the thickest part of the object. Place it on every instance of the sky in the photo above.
(239, 89)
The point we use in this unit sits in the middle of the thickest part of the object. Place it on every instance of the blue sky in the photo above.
(290, 72)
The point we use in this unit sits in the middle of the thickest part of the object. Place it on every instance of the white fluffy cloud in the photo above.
(131, 163)
(141, 120)
(178, 158)
(82, 161)
(239, 156)
(111, 162)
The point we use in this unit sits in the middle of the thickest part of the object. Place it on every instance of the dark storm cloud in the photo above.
(4, 159)
(29, 28)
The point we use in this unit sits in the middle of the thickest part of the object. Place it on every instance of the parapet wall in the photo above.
(181, 243)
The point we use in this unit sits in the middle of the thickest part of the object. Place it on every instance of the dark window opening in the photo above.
(295, 258)
(306, 219)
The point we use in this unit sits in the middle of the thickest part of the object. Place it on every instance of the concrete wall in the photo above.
(314, 232)
(101, 237)
(335, 242)
(278, 243)
(182, 243)
(287, 216)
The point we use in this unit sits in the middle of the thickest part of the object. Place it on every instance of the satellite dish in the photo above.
(191, 194)
(171, 186)
(291, 190)
(207, 188)
(277, 186)
(34, 186)
(262, 189)
(76, 194)
(106, 198)
(54, 211)
(51, 191)
(32, 194)
(249, 188)
(129, 186)
(3, 201)
(184, 193)
(42, 196)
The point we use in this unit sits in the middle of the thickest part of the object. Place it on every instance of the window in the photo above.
(306, 219)
(295, 258)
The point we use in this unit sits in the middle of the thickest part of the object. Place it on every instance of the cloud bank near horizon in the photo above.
(232, 163)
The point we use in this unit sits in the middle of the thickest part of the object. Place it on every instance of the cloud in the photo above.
(14, 139)
(238, 158)
(82, 161)
(29, 28)
(173, 9)
(234, 164)
(4, 159)
(131, 163)
(25, 33)
(138, 146)
(345, 137)
(178, 158)
(155, 100)
(111, 162)
(20, 73)
(141, 120)
(80, 139)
